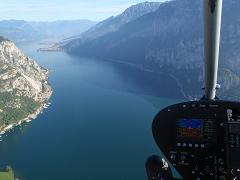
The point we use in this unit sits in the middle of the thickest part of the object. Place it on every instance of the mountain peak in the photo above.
(114, 23)
(3, 39)
(143, 7)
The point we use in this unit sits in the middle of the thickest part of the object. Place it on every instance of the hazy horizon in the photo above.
(48, 20)
(30, 10)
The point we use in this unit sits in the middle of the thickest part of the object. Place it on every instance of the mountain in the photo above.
(19, 31)
(23, 31)
(113, 24)
(63, 28)
(24, 87)
(170, 40)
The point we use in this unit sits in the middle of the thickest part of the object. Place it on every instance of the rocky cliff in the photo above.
(24, 85)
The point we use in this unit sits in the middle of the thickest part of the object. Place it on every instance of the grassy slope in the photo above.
(6, 175)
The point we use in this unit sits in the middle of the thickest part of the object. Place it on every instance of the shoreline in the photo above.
(29, 118)
(142, 68)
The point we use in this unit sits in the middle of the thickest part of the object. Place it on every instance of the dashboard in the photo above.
(201, 139)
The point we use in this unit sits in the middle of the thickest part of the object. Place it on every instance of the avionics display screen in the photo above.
(190, 128)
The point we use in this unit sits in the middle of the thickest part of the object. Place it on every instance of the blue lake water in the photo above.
(97, 127)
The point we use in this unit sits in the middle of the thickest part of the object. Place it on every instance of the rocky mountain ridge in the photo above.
(114, 23)
(170, 40)
(24, 86)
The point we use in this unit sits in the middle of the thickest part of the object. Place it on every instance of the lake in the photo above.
(98, 125)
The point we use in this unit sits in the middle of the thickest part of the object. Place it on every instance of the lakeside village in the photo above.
(26, 120)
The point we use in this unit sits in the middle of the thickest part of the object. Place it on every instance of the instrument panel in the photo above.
(200, 138)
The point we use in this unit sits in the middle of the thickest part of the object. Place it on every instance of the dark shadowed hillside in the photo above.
(170, 40)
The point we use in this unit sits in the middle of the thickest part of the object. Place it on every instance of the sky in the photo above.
(50, 10)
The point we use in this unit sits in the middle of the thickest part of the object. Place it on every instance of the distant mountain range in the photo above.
(166, 37)
(23, 31)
